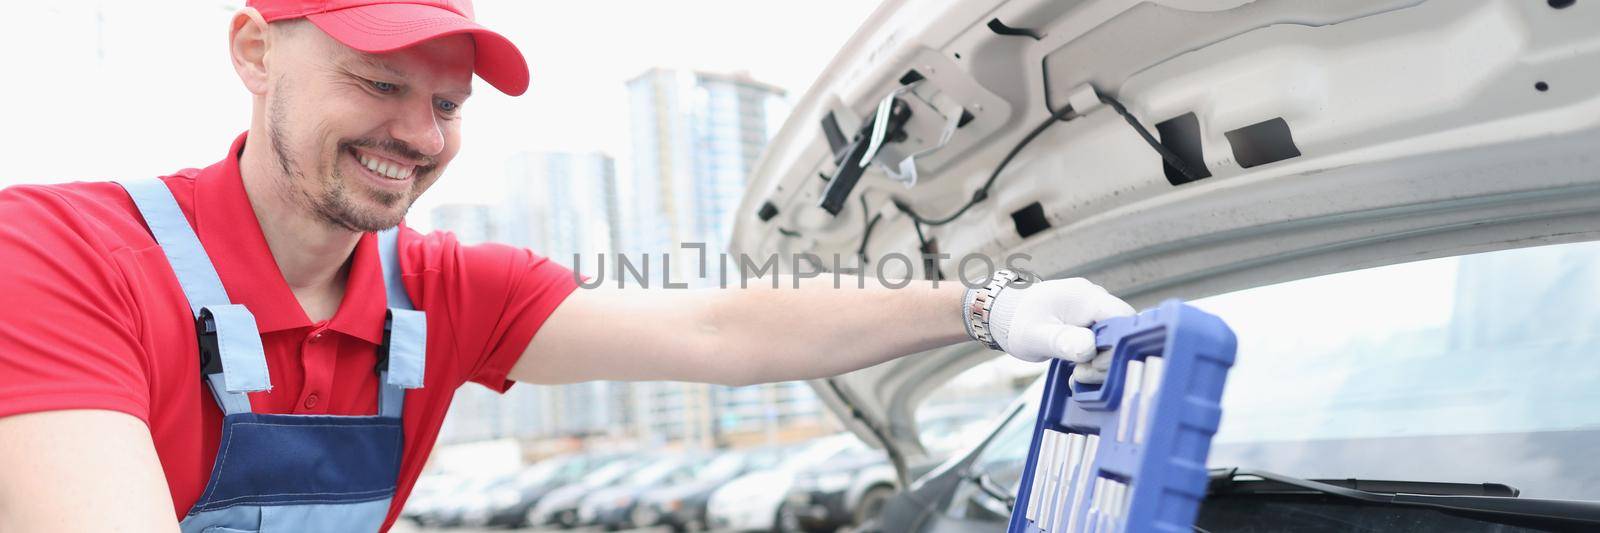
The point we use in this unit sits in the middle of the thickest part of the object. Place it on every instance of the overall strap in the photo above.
(402, 356)
(231, 355)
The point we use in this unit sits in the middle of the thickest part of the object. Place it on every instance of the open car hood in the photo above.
(1302, 138)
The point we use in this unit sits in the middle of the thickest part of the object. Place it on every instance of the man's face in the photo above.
(360, 136)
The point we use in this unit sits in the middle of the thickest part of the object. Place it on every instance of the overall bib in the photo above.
(286, 473)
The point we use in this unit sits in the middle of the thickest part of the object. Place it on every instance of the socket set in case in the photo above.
(1129, 455)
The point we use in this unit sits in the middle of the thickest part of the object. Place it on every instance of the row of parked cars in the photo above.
(819, 485)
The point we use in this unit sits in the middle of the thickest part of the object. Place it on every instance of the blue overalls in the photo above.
(286, 473)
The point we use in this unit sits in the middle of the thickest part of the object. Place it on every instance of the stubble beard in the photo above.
(328, 198)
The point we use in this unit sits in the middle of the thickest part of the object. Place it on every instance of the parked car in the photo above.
(754, 501)
(559, 507)
(1401, 240)
(465, 503)
(540, 479)
(478, 507)
(612, 508)
(850, 489)
(846, 490)
(682, 506)
(429, 495)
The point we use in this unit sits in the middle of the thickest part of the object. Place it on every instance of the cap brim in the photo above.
(379, 28)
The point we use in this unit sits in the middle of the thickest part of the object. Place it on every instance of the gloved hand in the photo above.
(1049, 318)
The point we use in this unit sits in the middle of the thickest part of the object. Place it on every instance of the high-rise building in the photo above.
(477, 413)
(471, 223)
(696, 136)
(562, 204)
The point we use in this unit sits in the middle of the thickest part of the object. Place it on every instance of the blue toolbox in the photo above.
(1129, 454)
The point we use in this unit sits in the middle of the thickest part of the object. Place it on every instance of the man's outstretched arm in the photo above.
(81, 470)
(741, 336)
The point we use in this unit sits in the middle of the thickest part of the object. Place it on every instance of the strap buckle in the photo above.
(383, 347)
(205, 327)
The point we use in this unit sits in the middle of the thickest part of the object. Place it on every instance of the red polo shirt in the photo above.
(94, 318)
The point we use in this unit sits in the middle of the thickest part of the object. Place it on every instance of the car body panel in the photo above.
(1422, 129)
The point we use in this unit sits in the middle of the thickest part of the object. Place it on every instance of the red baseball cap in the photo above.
(377, 26)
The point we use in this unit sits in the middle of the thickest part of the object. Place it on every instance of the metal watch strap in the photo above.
(982, 301)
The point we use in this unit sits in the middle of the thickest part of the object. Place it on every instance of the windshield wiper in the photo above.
(994, 490)
(1226, 480)
(1483, 500)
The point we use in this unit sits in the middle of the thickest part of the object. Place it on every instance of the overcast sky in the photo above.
(101, 89)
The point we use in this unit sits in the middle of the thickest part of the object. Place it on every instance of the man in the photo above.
(254, 346)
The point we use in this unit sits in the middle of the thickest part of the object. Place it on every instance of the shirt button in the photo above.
(311, 401)
(316, 336)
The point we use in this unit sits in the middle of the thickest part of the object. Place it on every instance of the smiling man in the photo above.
(260, 345)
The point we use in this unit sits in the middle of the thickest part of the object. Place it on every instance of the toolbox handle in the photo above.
(1128, 338)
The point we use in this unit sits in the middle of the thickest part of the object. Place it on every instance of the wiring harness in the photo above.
(1065, 114)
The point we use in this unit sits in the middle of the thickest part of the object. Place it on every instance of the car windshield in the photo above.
(501, 482)
(944, 435)
(821, 450)
(960, 412)
(543, 470)
(480, 484)
(654, 473)
(1003, 456)
(607, 474)
(996, 471)
(767, 458)
(1477, 368)
(435, 484)
(724, 466)
(1470, 369)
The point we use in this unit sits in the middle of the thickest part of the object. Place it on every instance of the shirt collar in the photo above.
(227, 227)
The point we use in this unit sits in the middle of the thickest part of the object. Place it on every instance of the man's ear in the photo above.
(248, 37)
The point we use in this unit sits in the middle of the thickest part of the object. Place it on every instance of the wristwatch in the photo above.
(978, 302)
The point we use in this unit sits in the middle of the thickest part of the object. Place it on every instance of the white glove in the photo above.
(1050, 318)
